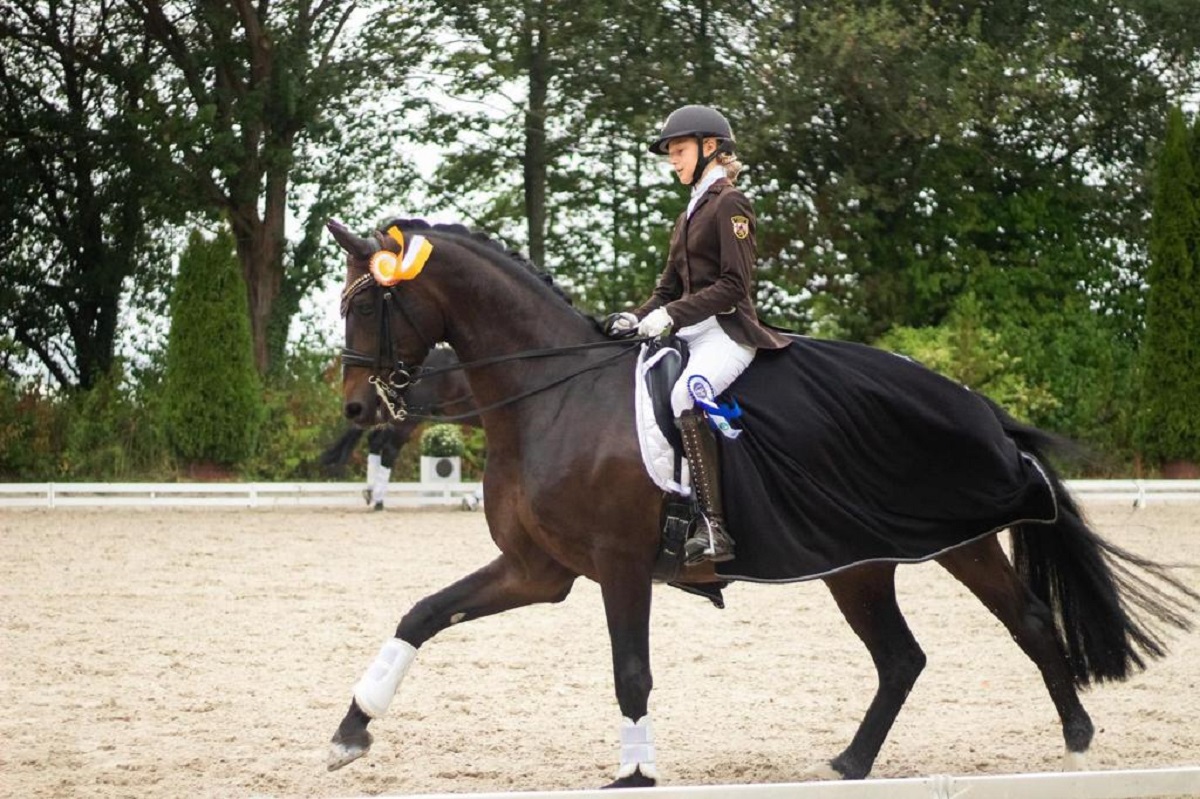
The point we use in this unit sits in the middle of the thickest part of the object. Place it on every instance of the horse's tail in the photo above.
(340, 451)
(1100, 596)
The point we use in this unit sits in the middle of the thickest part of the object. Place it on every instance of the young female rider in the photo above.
(704, 294)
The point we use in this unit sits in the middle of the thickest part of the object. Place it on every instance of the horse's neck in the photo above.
(493, 313)
(491, 316)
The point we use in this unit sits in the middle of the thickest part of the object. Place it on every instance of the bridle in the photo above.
(398, 377)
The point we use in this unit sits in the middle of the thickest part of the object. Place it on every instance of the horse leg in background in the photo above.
(984, 569)
(504, 584)
(384, 445)
(866, 595)
(626, 587)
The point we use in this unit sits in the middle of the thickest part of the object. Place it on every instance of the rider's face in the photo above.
(681, 153)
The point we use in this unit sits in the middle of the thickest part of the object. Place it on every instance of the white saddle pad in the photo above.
(657, 453)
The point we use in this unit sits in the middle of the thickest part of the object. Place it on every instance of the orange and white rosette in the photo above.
(389, 268)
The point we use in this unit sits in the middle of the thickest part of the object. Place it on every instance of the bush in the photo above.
(964, 350)
(213, 400)
(442, 441)
(32, 431)
(474, 457)
(113, 432)
(303, 413)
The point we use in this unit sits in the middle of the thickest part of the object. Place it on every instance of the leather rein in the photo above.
(397, 377)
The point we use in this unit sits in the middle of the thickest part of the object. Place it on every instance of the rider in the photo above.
(704, 294)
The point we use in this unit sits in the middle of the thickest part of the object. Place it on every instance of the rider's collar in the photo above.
(706, 183)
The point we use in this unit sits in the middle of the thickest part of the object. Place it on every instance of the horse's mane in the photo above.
(489, 243)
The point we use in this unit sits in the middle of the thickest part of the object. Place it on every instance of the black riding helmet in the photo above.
(699, 121)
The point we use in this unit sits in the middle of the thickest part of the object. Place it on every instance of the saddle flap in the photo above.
(661, 379)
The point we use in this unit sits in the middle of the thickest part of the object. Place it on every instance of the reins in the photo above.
(528, 354)
(390, 388)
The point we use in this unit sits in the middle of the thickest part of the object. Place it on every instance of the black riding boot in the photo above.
(709, 541)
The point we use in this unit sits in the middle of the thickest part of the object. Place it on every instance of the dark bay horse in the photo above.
(445, 394)
(567, 496)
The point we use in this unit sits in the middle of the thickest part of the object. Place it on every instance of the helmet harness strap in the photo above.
(702, 160)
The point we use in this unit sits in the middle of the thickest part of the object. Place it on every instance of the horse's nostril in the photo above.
(353, 410)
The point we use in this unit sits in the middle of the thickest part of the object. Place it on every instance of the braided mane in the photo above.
(462, 231)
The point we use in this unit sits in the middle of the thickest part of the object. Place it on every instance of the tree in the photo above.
(259, 105)
(914, 151)
(564, 97)
(1169, 409)
(212, 394)
(79, 189)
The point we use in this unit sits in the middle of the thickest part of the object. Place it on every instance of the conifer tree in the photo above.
(213, 398)
(1169, 407)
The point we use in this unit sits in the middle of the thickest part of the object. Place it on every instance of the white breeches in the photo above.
(713, 356)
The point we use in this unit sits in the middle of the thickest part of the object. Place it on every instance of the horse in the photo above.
(566, 496)
(446, 395)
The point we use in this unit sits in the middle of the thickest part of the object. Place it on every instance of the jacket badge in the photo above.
(741, 227)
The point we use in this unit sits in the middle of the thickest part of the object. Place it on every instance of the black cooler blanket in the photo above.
(851, 454)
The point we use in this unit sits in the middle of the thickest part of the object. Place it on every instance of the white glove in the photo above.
(620, 324)
(655, 323)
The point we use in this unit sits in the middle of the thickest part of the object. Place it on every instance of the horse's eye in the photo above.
(364, 308)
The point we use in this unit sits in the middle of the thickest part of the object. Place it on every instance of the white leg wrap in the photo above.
(374, 692)
(637, 748)
(373, 461)
(382, 476)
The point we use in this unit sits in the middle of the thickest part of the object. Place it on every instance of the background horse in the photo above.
(445, 394)
(567, 496)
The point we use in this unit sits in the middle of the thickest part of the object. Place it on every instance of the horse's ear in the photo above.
(355, 245)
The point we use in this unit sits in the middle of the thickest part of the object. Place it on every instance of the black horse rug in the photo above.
(850, 454)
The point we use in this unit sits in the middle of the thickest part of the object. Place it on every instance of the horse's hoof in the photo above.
(634, 780)
(342, 753)
(823, 771)
(1075, 761)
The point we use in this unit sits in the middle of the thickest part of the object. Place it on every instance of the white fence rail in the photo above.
(1137, 493)
(243, 495)
(1134, 784)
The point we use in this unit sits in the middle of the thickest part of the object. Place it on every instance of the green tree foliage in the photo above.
(965, 350)
(303, 405)
(563, 98)
(78, 184)
(32, 432)
(908, 152)
(114, 430)
(1169, 408)
(258, 107)
(213, 397)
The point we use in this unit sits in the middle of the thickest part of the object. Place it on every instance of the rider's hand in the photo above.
(620, 325)
(655, 324)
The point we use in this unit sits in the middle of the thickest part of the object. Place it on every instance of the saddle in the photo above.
(677, 513)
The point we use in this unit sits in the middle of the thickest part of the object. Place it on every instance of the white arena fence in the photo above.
(237, 495)
(1137, 493)
(1134, 784)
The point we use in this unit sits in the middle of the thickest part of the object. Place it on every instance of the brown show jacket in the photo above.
(713, 275)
